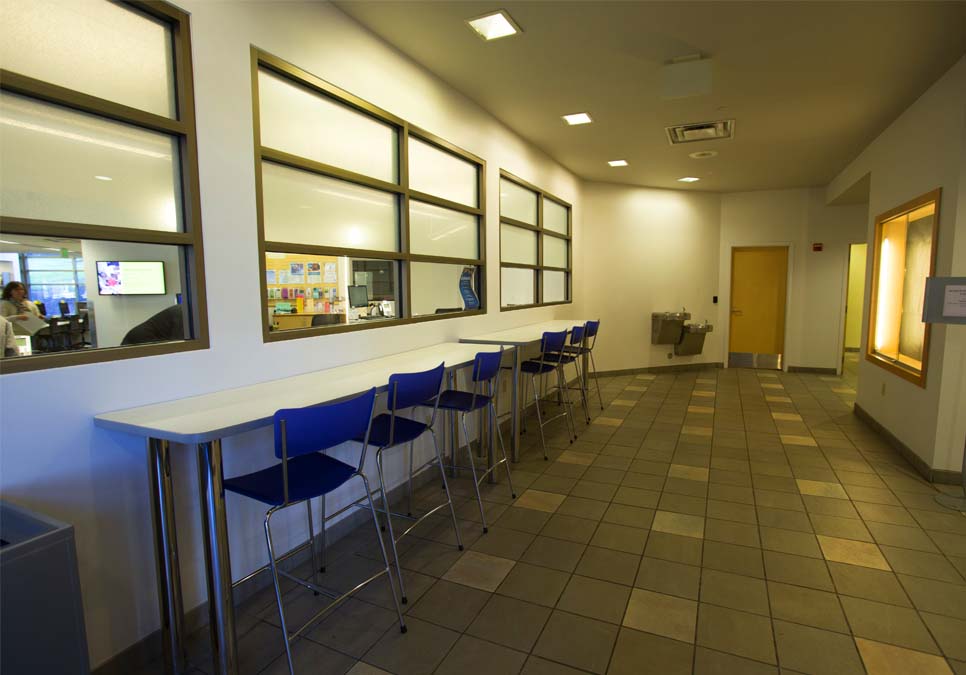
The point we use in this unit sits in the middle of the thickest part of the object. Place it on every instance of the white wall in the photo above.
(797, 218)
(644, 250)
(98, 480)
(923, 149)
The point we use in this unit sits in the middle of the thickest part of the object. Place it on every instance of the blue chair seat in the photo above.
(536, 368)
(309, 476)
(405, 430)
(561, 358)
(462, 401)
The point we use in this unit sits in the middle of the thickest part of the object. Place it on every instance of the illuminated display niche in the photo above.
(905, 254)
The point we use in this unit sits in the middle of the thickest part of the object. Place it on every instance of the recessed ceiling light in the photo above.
(618, 162)
(703, 154)
(494, 25)
(688, 179)
(103, 178)
(4, 241)
(574, 119)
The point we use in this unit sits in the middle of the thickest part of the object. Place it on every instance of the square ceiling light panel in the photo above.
(494, 25)
(573, 119)
(618, 162)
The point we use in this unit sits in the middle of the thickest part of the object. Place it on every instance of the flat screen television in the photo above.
(130, 277)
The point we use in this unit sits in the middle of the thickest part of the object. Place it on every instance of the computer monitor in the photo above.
(358, 296)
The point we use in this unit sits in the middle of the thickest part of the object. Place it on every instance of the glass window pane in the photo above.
(555, 216)
(554, 286)
(517, 202)
(51, 277)
(100, 48)
(441, 173)
(438, 231)
(301, 122)
(518, 245)
(436, 288)
(306, 208)
(51, 262)
(554, 252)
(115, 315)
(516, 286)
(69, 166)
(306, 291)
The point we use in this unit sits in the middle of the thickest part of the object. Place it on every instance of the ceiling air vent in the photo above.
(702, 131)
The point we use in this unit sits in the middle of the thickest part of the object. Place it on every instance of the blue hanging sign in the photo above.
(470, 301)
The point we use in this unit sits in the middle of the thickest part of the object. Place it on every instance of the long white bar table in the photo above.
(520, 338)
(205, 420)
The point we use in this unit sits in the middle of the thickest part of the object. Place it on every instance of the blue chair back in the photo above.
(411, 389)
(592, 327)
(577, 335)
(487, 365)
(553, 343)
(300, 431)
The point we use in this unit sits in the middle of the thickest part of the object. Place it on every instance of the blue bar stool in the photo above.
(571, 355)
(486, 369)
(305, 472)
(409, 390)
(551, 348)
(590, 334)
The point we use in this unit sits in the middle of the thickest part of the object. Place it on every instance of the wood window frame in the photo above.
(541, 231)
(261, 59)
(908, 373)
(182, 128)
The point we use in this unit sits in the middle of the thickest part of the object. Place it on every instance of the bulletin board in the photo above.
(293, 276)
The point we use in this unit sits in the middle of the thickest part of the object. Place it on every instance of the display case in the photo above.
(905, 255)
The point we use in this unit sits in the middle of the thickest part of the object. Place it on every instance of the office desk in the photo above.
(521, 338)
(204, 421)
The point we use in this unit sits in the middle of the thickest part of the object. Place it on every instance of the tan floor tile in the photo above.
(688, 472)
(853, 552)
(623, 402)
(787, 417)
(843, 390)
(678, 523)
(772, 386)
(706, 380)
(696, 431)
(778, 399)
(548, 502)
(791, 439)
(608, 421)
(645, 376)
(701, 409)
(820, 488)
(662, 615)
(633, 388)
(479, 570)
(882, 659)
(703, 394)
(572, 457)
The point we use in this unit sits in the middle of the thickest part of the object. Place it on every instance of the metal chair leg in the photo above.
(323, 536)
(582, 383)
(506, 462)
(449, 497)
(411, 453)
(315, 559)
(392, 536)
(385, 558)
(476, 482)
(278, 591)
(536, 398)
(593, 365)
(568, 408)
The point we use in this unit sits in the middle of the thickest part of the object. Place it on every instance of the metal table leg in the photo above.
(166, 556)
(221, 611)
(515, 407)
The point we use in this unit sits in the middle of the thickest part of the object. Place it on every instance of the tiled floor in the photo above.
(719, 522)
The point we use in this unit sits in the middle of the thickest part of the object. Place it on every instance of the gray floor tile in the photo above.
(594, 598)
(540, 585)
(578, 641)
(638, 653)
(736, 632)
(420, 650)
(510, 622)
(811, 650)
(609, 565)
(669, 577)
(735, 591)
(470, 654)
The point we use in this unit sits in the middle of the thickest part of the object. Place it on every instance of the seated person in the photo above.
(166, 325)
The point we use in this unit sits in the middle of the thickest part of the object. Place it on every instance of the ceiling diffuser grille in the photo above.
(702, 131)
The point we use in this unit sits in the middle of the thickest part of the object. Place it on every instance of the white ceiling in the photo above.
(808, 83)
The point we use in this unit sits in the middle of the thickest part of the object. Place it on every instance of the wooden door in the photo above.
(758, 285)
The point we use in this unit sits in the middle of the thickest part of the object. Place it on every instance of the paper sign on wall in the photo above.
(954, 301)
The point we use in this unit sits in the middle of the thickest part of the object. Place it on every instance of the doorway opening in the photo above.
(854, 301)
(759, 284)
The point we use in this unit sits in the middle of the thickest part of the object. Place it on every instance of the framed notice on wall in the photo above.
(945, 300)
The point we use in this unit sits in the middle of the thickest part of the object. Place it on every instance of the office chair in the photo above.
(549, 361)
(305, 472)
(64, 307)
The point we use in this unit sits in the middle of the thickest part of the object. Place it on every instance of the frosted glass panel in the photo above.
(554, 252)
(554, 216)
(98, 48)
(437, 231)
(301, 122)
(306, 208)
(436, 288)
(69, 166)
(517, 202)
(516, 286)
(441, 174)
(554, 286)
(518, 245)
